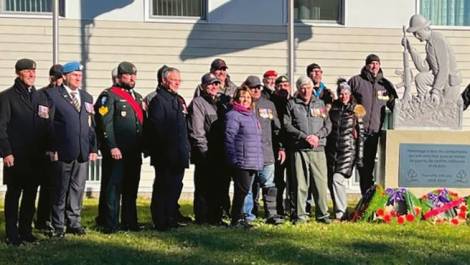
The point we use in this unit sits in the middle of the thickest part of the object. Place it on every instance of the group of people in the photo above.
(290, 147)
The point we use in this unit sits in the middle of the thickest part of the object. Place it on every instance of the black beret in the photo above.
(56, 71)
(127, 68)
(25, 64)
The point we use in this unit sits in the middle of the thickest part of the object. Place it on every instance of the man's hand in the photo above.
(9, 161)
(92, 156)
(281, 156)
(116, 153)
(313, 140)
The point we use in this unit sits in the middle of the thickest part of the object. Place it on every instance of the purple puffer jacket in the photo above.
(243, 139)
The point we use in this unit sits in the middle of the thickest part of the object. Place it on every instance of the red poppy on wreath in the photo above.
(393, 213)
(380, 212)
(410, 218)
(454, 221)
(387, 218)
(463, 214)
(463, 208)
(401, 219)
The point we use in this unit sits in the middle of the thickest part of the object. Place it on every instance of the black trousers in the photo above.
(242, 185)
(280, 182)
(219, 198)
(167, 188)
(366, 178)
(19, 222)
(46, 193)
(202, 191)
(119, 185)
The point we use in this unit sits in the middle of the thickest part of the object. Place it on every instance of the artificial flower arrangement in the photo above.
(388, 206)
(444, 206)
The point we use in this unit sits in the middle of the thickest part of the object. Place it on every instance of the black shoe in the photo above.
(299, 221)
(183, 219)
(55, 234)
(16, 242)
(241, 224)
(325, 220)
(107, 230)
(219, 223)
(44, 226)
(162, 228)
(28, 238)
(79, 231)
(133, 228)
(275, 220)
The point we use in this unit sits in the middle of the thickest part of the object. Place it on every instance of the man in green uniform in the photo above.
(119, 116)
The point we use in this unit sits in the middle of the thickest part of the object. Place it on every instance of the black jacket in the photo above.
(73, 132)
(270, 128)
(374, 94)
(24, 132)
(166, 130)
(345, 143)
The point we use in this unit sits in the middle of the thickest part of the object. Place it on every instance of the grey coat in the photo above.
(302, 119)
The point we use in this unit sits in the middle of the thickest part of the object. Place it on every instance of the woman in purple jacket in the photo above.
(243, 149)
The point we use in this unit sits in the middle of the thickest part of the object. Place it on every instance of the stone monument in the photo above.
(427, 148)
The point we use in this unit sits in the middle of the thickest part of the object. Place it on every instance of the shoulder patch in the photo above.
(104, 99)
(103, 110)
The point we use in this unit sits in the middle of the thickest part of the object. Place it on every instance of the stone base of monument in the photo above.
(425, 160)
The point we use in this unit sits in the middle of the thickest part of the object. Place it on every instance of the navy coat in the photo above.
(166, 132)
(24, 132)
(73, 132)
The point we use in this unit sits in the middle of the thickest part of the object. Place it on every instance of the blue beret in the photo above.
(71, 67)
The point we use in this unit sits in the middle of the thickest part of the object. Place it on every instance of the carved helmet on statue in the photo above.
(418, 22)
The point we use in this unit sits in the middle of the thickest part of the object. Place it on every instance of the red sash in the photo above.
(134, 104)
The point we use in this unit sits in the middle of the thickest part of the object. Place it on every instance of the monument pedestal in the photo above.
(424, 160)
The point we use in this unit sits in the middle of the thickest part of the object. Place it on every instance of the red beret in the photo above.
(270, 73)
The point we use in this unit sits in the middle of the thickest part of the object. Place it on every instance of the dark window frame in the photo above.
(338, 20)
(202, 16)
(48, 4)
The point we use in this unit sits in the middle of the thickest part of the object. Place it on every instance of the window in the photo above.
(446, 12)
(179, 8)
(319, 10)
(30, 6)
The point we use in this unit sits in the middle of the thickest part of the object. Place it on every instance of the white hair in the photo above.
(302, 81)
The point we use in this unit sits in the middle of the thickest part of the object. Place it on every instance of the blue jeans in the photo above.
(266, 179)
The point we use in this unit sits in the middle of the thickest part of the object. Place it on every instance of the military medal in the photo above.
(43, 112)
(89, 108)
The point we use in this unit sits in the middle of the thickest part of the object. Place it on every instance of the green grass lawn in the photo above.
(338, 243)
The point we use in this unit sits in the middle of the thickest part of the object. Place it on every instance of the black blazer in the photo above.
(166, 131)
(24, 132)
(73, 132)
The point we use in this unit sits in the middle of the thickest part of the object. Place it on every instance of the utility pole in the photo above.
(290, 42)
(55, 31)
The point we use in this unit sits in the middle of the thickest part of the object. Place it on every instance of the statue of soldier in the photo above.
(438, 74)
